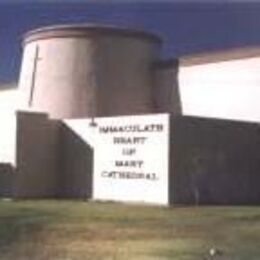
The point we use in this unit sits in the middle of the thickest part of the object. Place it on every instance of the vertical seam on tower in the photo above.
(35, 63)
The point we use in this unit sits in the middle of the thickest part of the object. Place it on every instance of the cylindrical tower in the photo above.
(74, 71)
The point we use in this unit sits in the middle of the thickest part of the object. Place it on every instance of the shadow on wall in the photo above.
(52, 161)
(37, 156)
(7, 172)
(76, 166)
(215, 161)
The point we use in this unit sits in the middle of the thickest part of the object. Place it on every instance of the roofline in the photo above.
(85, 30)
(220, 55)
(166, 64)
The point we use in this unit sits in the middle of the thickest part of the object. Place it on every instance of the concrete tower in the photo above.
(74, 71)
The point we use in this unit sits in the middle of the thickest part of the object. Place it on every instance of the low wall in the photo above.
(214, 161)
(38, 161)
(211, 161)
(52, 160)
(6, 179)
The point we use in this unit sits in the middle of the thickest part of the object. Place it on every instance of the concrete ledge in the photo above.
(86, 30)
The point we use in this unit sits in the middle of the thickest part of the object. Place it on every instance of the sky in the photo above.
(187, 27)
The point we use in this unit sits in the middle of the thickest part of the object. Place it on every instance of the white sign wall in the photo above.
(130, 157)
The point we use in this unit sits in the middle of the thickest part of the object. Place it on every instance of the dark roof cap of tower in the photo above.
(85, 30)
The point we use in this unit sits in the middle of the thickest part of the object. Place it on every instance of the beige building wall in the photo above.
(88, 71)
(222, 84)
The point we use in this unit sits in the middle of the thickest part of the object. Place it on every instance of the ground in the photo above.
(68, 230)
